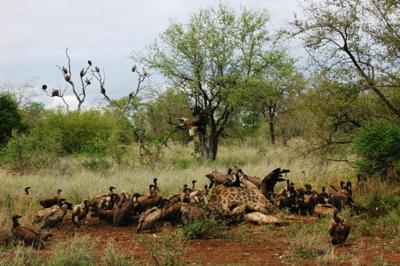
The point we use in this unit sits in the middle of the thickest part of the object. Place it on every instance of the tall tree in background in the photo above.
(272, 89)
(359, 41)
(209, 59)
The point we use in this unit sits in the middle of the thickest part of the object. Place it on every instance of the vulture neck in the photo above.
(15, 222)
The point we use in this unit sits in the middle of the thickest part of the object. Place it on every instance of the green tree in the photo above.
(159, 112)
(273, 89)
(209, 59)
(337, 109)
(358, 41)
(10, 118)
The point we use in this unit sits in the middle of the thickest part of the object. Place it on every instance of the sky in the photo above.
(35, 34)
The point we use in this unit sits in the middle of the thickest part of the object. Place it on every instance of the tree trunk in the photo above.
(271, 115)
(209, 143)
(272, 132)
(203, 145)
(213, 144)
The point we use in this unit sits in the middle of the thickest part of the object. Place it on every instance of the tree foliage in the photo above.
(272, 90)
(10, 117)
(358, 41)
(378, 147)
(209, 59)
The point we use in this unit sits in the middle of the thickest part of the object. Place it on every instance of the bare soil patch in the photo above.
(244, 245)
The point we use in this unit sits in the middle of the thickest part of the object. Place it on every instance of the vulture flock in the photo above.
(232, 196)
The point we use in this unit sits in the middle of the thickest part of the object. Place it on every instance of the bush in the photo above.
(88, 132)
(378, 203)
(378, 148)
(204, 229)
(36, 150)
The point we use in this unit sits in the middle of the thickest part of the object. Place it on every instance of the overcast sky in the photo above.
(35, 33)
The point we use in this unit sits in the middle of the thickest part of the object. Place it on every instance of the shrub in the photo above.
(378, 148)
(87, 132)
(204, 229)
(35, 150)
(378, 203)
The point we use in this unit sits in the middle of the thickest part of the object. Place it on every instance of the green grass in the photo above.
(204, 229)
(166, 250)
(113, 257)
(78, 251)
(308, 240)
(23, 256)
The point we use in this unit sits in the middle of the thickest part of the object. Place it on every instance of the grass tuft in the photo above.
(204, 229)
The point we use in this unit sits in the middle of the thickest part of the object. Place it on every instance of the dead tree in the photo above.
(85, 80)
(126, 108)
(89, 73)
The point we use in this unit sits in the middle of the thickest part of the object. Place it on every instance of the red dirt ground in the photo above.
(250, 245)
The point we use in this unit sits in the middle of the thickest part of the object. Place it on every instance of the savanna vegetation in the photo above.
(234, 96)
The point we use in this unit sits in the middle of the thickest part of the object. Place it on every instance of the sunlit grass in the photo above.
(176, 168)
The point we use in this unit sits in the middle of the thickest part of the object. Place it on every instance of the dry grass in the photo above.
(176, 167)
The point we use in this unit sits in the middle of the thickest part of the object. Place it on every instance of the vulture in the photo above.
(156, 188)
(339, 229)
(323, 197)
(80, 211)
(198, 196)
(39, 216)
(349, 188)
(173, 211)
(148, 219)
(102, 214)
(27, 235)
(123, 214)
(283, 200)
(50, 201)
(55, 218)
(269, 182)
(146, 202)
(310, 199)
(106, 201)
(247, 181)
(219, 178)
(27, 190)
